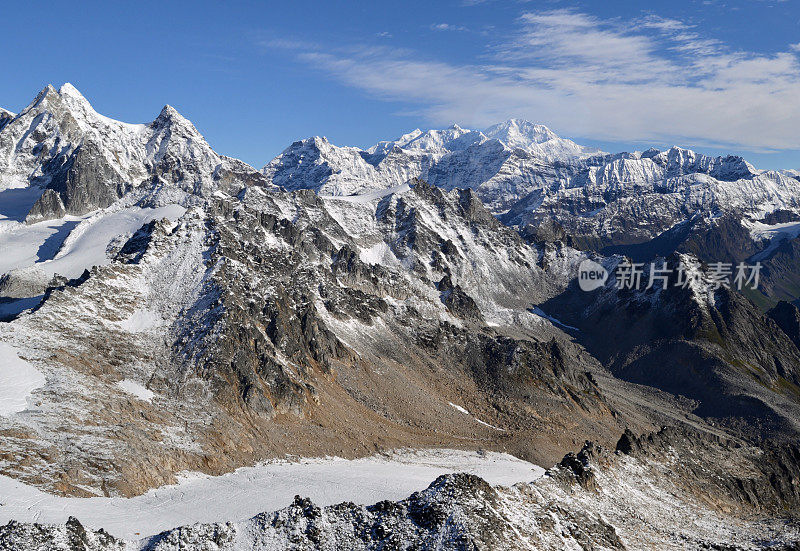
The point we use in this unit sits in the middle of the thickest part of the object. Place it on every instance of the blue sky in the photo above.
(717, 76)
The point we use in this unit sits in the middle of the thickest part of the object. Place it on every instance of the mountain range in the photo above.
(178, 310)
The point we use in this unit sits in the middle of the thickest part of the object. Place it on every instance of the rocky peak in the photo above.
(453, 138)
(71, 96)
(170, 118)
(82, 161)
(678, 161)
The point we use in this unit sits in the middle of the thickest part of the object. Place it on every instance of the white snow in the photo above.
(84, 242)
(87, 244)
(775, 233)
(369, 196)
(462, 410)
(539, 312)
(380, 253)
(142, 320)
(252, 490)
(18, 379)
(488, 425)
(135, 389)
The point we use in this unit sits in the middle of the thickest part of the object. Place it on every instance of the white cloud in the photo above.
(650, 79)
(447, 27)
(795, 47)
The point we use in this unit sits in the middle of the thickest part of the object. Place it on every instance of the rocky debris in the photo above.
(457, 301)
(725, 471)
(72, 536)
(291, 323)
(267, 322)
(578, 466)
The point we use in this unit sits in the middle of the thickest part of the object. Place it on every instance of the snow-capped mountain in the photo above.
(493, 163)
(166, 309)
(551, 188)
(61, 157)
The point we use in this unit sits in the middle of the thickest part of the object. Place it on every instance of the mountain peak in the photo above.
(75, 101)
(520, 133)
(68, 89)
(170, 117)
(168, 112)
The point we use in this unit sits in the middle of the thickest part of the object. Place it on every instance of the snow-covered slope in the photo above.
(662, 491)
(288, 322)
(67, 171)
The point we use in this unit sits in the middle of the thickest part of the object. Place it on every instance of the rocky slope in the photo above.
(346, 323)
(712, 346)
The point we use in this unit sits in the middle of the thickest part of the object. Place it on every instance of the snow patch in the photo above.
(85, 243)
(775, 234)
(539, 312)
(380, 253)
(135, 389)
(141, 321)
(369, 196)
(18, 380)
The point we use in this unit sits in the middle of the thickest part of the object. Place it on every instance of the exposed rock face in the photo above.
(764, 479)
(787, 316)
(5, 117)
(285, 322)
(640, 204)
(80, 183)
(495, 163)
(16, 536)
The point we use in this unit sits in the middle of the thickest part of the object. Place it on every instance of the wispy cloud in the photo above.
(647, 79)
(448, 27)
